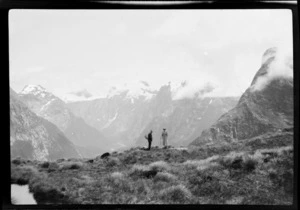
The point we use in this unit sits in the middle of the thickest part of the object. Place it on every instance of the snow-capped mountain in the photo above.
(33, 137)
(52, 108)
(36, 90)
(266, 106)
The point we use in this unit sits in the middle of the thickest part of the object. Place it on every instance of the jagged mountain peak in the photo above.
(36, 90)
(32, 88)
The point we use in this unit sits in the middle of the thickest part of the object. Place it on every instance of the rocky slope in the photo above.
(52, 108)
(33, 137)
(185, 119)
(266, 106)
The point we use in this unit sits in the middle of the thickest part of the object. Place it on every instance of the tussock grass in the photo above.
(53, 166)
(60, 160)
(70, 165)
(84, 180)
(117, 175)
(176, 194)
(201, 164)
(46, 192)
(118, 181)
(164, 177)
(130, 158)
(240, 161)
(23, 174)
(112, 162)
(45, 164)
(19, 161)
(138, 170)
(213, 174)
(159, 166)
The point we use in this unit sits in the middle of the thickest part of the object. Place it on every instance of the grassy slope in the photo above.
(261, 172)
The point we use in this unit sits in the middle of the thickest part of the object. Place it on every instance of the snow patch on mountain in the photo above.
(109, 122)
(47, 104)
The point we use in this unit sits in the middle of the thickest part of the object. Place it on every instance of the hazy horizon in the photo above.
(67, 51)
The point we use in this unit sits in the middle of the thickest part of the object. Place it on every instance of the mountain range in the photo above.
(126, 120)
(33, 137)
(48, 106)
(122, 118)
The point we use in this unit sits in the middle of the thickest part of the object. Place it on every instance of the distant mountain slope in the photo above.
(186, 119)
(33, 137)
(52, 108)
(126, 119)
(266, 106)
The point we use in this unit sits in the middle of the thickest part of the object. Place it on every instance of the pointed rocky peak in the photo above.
(277, 64)
(269, 53)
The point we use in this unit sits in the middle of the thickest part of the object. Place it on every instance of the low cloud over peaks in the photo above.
(280, 67)
(82, 93)
(190, 89)
(145, 83)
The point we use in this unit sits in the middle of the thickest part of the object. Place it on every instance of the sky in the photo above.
(70, 50)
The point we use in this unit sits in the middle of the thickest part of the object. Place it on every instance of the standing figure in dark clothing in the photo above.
(149, 138)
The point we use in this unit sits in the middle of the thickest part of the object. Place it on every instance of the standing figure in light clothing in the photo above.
(164, 137)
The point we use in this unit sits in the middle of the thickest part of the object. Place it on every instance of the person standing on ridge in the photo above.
(149, 138)
(164, 137)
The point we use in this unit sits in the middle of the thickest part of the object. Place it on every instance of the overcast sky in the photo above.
(67, 51)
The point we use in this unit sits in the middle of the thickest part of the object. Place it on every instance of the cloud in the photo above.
(280, 67)
(82, 93)
(145, 83)
(193, 88)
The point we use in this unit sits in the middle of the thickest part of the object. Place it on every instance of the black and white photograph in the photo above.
(151, 106)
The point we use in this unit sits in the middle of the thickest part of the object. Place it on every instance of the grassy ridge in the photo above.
(213, 174)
